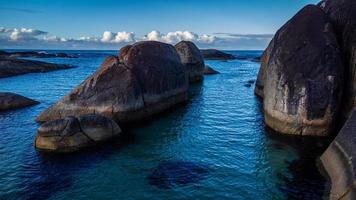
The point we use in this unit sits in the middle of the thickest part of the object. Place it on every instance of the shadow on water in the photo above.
(45, 174)
(306, 180)
(169, 174)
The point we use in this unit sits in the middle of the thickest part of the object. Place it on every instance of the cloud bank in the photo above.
(34, 38)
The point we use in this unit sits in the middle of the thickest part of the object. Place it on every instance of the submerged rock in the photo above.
(71, 133)
(12, 101)
(210, 71)
(171, 174)
(191, 59)
(148, 78)
(342, 14)
(13, 67)
(301, 76)
(213, 54)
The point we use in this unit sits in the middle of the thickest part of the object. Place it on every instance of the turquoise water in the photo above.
(214, 147)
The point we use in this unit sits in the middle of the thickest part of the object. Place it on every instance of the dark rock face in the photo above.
(71, 134)
(342, 14)
(170, 174)
(13, 67)
(191, 59)
(149, 79)
(210, 71)
(302, 76)
(12, 101)
(213, 54)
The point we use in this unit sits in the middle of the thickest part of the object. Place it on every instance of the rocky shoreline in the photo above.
(307, 82)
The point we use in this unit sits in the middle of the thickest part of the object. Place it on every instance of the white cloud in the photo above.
(24, 34)
(174, 37)
(119, 37)
(33, 38)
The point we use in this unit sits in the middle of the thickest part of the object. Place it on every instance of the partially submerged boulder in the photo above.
(13, 67)
(191, 59)
(342, 14)
(302, 76)
(147, 79)
(71, 133)
(210, 71)
(214, 54)
(10, 100)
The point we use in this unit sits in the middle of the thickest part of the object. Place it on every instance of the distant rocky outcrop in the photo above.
(71, 133)
(213, 54)
(191, 59)
(145, 79)
(301, 76)
(35, 54)
(210, 71)
(13, 67)
(10, 100)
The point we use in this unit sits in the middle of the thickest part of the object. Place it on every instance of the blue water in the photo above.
(214, 147)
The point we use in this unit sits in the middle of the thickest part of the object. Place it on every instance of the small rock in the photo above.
(210, 71)
(12, 101)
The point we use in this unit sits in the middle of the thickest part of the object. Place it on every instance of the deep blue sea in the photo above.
(214, 147)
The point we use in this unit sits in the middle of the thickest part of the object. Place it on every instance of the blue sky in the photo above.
(224, 24)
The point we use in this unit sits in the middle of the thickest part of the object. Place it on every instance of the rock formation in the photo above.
(71, 133)
(342, 14)
(301, 76)
(12, 101)
(210, 71)
(213, 54)
(13, 67)
(147, 79)
(191, 59)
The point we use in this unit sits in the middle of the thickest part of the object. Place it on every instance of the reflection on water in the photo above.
(213, 147)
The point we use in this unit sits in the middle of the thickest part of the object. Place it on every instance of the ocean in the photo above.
(215, 146)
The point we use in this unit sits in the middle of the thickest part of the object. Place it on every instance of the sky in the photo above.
(111, 24)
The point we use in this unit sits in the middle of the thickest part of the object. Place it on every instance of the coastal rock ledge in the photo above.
(301, 76)
(71, 133)
(339, 160)
(145, 79)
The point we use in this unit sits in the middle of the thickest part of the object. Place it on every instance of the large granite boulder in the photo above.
(192, 59)
(303, 80)
(71, 133)
(10, 100)
(214, 54)
(147, 79)
(13, 67)
(342, 14)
